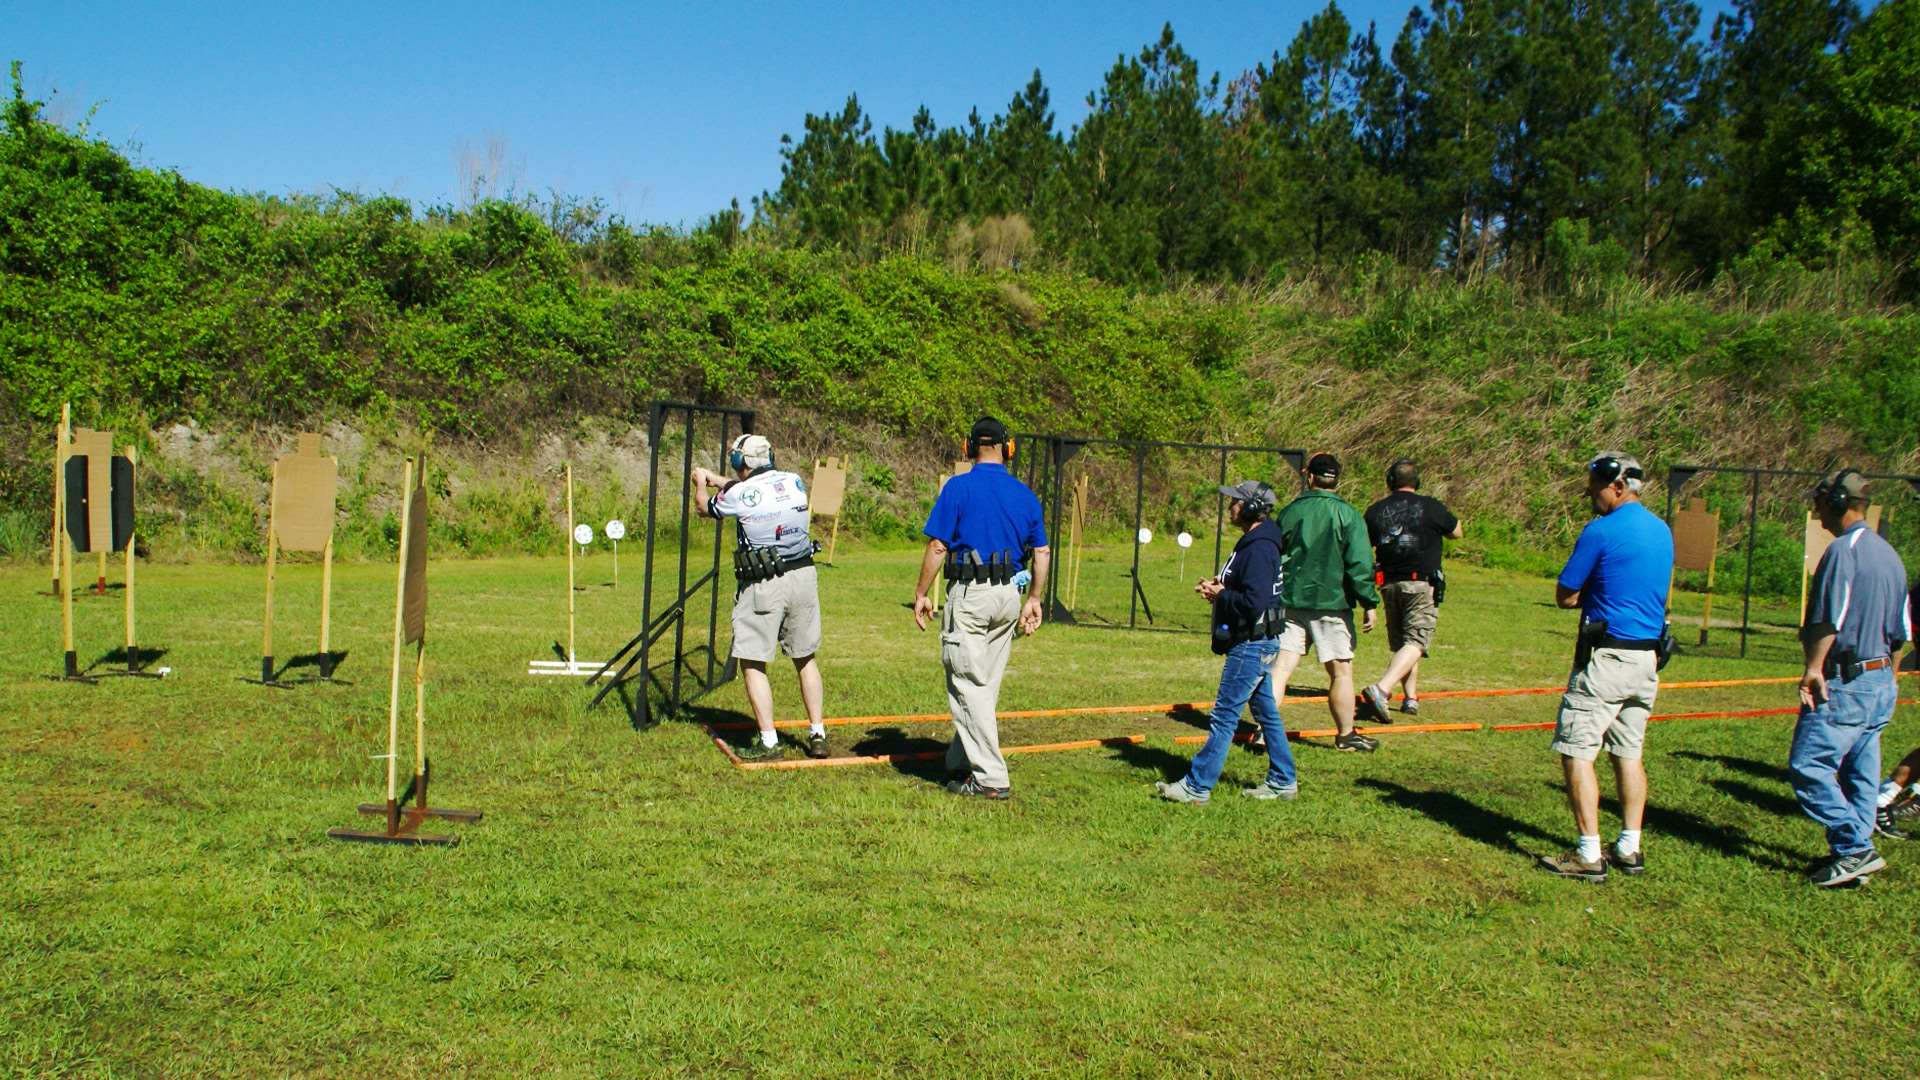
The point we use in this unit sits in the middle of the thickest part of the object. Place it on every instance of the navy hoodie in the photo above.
(1252, 580)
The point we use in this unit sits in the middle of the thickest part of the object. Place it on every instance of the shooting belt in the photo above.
(969, 570)
(753, 565)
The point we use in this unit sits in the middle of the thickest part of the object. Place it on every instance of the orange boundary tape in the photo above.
(1205, 706)
(1321, 733)
(930, 755)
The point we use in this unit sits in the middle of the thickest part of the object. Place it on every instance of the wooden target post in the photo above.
(409, 628)
(1076, 533)
(960, 468)
(97, 516)
(569, 662)
(1814, 545)
(61, 439)
(300, 514)
(826, 494)
(1696, 540)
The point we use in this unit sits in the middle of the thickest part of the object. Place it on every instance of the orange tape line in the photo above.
(1204, 706)
(1726, 714)
(1319, 733)
(929, 755)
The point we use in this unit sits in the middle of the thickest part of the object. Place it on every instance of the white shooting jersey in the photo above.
(772, 508)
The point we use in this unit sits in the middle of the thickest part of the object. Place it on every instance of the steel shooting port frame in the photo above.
(639, 653)
(1679, 476)
(1042, 462)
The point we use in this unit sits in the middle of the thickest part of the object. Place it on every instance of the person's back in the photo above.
(1323, 547)
(1627, 556)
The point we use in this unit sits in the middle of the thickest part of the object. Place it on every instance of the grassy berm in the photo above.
(634, 905)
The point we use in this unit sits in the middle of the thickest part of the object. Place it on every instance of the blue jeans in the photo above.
(1835, 760)
(1244, 679)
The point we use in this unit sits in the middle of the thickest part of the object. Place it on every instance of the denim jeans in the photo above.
(1245, 679)
(1835, 760)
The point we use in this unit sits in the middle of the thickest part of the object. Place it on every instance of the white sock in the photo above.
(817, 729)
(1590, 849)
(769, 739)
(1889, 791)
(1629, 841)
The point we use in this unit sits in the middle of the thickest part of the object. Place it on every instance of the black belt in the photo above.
(751, 570)
(1628, 644)
(1849, 670)
(999, 569)
(1407, 575)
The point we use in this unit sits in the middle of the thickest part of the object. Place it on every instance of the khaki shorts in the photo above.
(1330, 633)
(1606, 705)
(1411, 613)
(785, 609)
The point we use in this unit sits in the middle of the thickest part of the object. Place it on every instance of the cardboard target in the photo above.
(414, 592)
(1696, 536)
(306, 485)
(89, 484)
(959, 468)
(828, 488)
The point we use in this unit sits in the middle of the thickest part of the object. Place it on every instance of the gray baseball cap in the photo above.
(1249, 491)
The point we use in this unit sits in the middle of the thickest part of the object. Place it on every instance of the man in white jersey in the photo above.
(777, 593)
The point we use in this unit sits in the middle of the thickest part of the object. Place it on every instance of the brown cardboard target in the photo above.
(306, 484)
(413, 604)
(1818, 538)
(1696, 537)
(829, 487)
(959, 468)
(96, 447)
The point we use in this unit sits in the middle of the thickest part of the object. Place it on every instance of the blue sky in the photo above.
(666, 111)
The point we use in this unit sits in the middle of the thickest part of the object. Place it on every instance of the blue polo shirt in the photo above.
(986, 510)
(1622, 564)
(1858, 592)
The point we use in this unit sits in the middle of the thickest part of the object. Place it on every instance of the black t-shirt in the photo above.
(1405, 529)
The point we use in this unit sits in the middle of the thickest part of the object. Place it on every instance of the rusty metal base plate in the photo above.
(406, 838)
(380, 810)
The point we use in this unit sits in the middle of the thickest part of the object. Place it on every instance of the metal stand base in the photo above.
(403, 822)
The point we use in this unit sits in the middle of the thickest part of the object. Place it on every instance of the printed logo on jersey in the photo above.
(751, 497)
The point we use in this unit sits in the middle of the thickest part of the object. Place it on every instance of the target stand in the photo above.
(569, 662)
(97, 516)
(409, 628)
(300, 514)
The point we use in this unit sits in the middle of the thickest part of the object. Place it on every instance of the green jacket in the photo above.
(1326, 562)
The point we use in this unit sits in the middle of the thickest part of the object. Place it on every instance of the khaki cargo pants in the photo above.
(976, 636)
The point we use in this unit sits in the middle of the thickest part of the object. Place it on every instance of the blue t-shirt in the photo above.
(1622, 565)
(986, 510)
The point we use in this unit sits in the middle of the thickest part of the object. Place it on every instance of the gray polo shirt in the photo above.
(1860, 593)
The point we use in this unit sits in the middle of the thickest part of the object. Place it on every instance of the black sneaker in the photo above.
(1632, 865)
(755, 750)
(817, 745)
(1842, 869)
(1884, 825)
(1355, 743)
(976, 789)
(1378, 702)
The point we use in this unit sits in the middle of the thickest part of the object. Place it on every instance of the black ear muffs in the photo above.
(736, 459)
(1609, 469)
(1832, 496)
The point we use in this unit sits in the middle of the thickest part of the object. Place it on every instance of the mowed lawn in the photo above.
(634, 905)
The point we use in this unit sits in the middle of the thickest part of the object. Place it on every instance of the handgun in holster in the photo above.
(1592, 632)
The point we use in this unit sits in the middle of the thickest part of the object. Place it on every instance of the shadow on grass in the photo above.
(1462, 815)
(323, 663)
(1759, 769)
(142, 658)
(1169, 765)
(1771, 801)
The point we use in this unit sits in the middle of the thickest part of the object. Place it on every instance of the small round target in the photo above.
(583, 535)
(616, 529)
(1185, 540)
(1146, 535)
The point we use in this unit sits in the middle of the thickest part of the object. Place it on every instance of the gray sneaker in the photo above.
(1844, 868)
(755, 750)
(1378, 701)
(1268, 791)
(1178, 791)
(1410, 706)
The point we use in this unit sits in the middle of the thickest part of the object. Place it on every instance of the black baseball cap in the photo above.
(988, 432)
(1324, 465)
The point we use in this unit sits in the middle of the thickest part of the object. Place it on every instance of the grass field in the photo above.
(634, 905)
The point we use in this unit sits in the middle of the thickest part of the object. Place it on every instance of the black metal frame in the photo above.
(1679, 476)
(652, 626)
(1041, 463)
